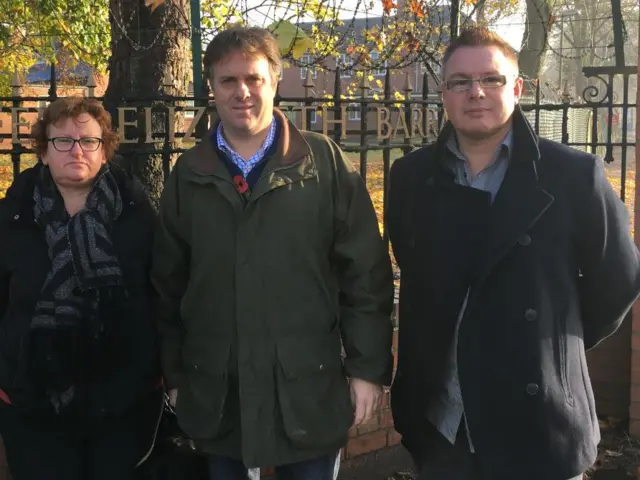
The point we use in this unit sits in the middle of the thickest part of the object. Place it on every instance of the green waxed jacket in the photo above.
(260, 295)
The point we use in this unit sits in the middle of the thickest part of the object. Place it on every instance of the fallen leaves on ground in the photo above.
(6, 170)
(6, 176)
(618, 454)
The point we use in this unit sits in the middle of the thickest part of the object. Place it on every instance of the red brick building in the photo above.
(293, 79)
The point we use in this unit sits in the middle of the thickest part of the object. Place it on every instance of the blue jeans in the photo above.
(320, 468)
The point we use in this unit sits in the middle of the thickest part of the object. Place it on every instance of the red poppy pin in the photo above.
(241, 183)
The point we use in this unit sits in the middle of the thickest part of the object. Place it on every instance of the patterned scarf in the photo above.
(66, 326)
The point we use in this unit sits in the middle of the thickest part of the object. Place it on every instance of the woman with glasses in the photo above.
(80, 394)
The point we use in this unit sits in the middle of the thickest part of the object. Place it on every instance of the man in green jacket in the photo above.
(269, 265)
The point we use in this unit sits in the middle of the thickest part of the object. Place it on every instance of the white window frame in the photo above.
(433, 65)
(354, 115)
(375, 56)
(313, 116)
(346, 65)
(306, 60)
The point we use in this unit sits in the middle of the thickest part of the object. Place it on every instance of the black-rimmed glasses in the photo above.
(66, 144)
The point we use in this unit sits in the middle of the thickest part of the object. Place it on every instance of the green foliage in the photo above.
(70, 31)
(65, 31)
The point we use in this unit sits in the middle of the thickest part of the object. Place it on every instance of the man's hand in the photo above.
(173, 397)
(365, 397)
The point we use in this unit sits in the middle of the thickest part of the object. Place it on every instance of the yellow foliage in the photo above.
(291, 38)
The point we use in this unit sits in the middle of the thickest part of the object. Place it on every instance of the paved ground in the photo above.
(617, 474)
(618, 459)
(391, 463)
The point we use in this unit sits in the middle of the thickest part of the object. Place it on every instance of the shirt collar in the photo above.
(506, 144)
(268, 142)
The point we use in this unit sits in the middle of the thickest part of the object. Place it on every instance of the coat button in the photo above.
(524, 240)
(532, 389)
(16, 217)
(530, 314)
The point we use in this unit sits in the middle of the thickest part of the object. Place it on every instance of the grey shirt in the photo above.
(446, 410)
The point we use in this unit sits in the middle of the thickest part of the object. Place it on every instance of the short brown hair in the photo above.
(73, 107)
(250, 41)
(479, 37)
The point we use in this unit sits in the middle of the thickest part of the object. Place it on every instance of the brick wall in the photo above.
(379, 432)
(610, 370)
(634, 409)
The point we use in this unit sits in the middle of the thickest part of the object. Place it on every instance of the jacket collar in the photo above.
(291, 162)
(524, 139)
(290, 148)
(521, 200)
(519, 204)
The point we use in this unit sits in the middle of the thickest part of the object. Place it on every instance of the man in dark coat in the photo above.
(516, 257)
(269, 262)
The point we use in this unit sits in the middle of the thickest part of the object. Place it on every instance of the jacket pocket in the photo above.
(201, 399)
(313, 391)
(14, 357)
(560, 345)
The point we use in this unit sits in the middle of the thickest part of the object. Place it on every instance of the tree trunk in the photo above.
(150, 57)
(534, 41)
(481, 15)
(581, 80)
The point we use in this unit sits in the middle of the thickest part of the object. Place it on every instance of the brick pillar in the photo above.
(379, 432)
(634, 410)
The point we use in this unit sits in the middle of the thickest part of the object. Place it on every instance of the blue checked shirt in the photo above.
(246, 166)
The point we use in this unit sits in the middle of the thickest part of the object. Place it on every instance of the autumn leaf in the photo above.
(416, 7)
(388, 5)
(412, 42)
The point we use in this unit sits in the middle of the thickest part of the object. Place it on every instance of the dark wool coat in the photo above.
(132, 362)
(552, 271)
